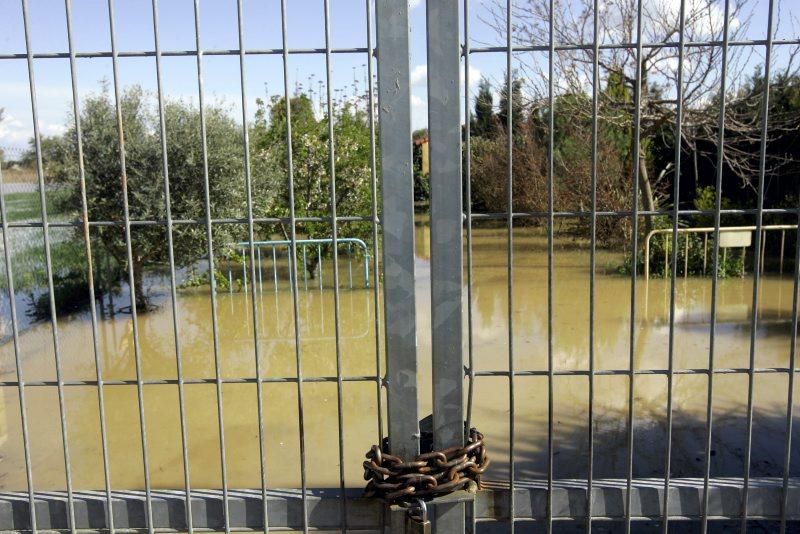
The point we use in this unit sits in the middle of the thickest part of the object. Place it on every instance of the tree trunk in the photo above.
(311, 266)
(644, 179)
(142, 304)
(646, 191)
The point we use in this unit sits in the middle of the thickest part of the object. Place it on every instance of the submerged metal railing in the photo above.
(743, 241)
(113, 512)
(318, 245)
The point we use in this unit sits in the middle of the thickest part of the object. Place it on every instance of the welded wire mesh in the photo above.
(207, 224)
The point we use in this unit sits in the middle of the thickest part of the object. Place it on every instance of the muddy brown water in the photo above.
(491, 403)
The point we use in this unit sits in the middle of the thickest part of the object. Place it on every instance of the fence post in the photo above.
(397, 222)
(444, 127)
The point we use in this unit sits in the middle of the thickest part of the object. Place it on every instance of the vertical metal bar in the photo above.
(637, 131)
(783, 244)
(366, 268)
(763, 248)
(397, 223)
(787, 448)
(674, 274)
(705, 252)
(758, 266)
(293, 266)
(510, 261)
(37, 140)
(468, 209)
(374, 202)
(305, 270)
(444, 127)
(350, 264)
(471, 514)
(244, 270)
(214, 318)
(444, 122)
(251, 239)
(686, 255)
(319, 265)
(550, 224)
(89, 267)
(274, 270)
(260, 271)
(23, 410)
(725, 258)
(593, 259)
(76, 111)
(137, 355)
(335, 240)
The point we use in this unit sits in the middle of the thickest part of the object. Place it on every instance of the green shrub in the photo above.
(700, 257)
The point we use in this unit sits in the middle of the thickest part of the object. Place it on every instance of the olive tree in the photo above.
(143, 177)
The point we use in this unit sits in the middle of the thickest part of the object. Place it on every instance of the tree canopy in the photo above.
(143, 177)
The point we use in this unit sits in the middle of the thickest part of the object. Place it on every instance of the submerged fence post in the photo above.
(397, 222)
(444, 127)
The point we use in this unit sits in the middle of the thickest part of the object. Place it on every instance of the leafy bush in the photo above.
(700, 255)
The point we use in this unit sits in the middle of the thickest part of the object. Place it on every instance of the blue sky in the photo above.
(262, 29)
(133, 24)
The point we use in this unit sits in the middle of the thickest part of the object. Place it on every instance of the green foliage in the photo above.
(731, 263)
(312, 165)
(26, 206)
(422, 182)
(195, 279)
(29, 266)
(705, 199)
(614, 119)
(699, 253)
(484, 121)
(517, 105)
(145, 182)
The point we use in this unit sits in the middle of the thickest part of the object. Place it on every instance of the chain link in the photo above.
(432, 473)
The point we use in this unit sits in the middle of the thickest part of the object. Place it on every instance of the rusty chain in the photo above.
(429, 474)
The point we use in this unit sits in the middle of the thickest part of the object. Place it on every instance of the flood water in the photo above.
(275, 334)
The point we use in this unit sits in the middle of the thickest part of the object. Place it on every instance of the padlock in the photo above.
(417, 521)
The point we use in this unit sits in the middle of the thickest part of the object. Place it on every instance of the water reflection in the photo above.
(274, 331)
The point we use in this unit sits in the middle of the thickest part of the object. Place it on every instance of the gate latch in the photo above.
(417, 521)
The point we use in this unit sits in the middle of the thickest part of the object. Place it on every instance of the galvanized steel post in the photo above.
(397, 221)
(444, 127)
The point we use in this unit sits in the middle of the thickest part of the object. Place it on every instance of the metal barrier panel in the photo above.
(444, 120)
(397, 219)
(116, 510)
(551, 40)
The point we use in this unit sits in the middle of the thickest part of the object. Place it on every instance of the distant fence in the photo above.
(267, 251)
(739, 237)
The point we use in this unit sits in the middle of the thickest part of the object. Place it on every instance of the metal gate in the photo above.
(511, 503)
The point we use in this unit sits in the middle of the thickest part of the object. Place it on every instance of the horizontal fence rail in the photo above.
(569, 502)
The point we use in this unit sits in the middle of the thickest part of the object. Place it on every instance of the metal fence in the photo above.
(270, 255)
(514, 501)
